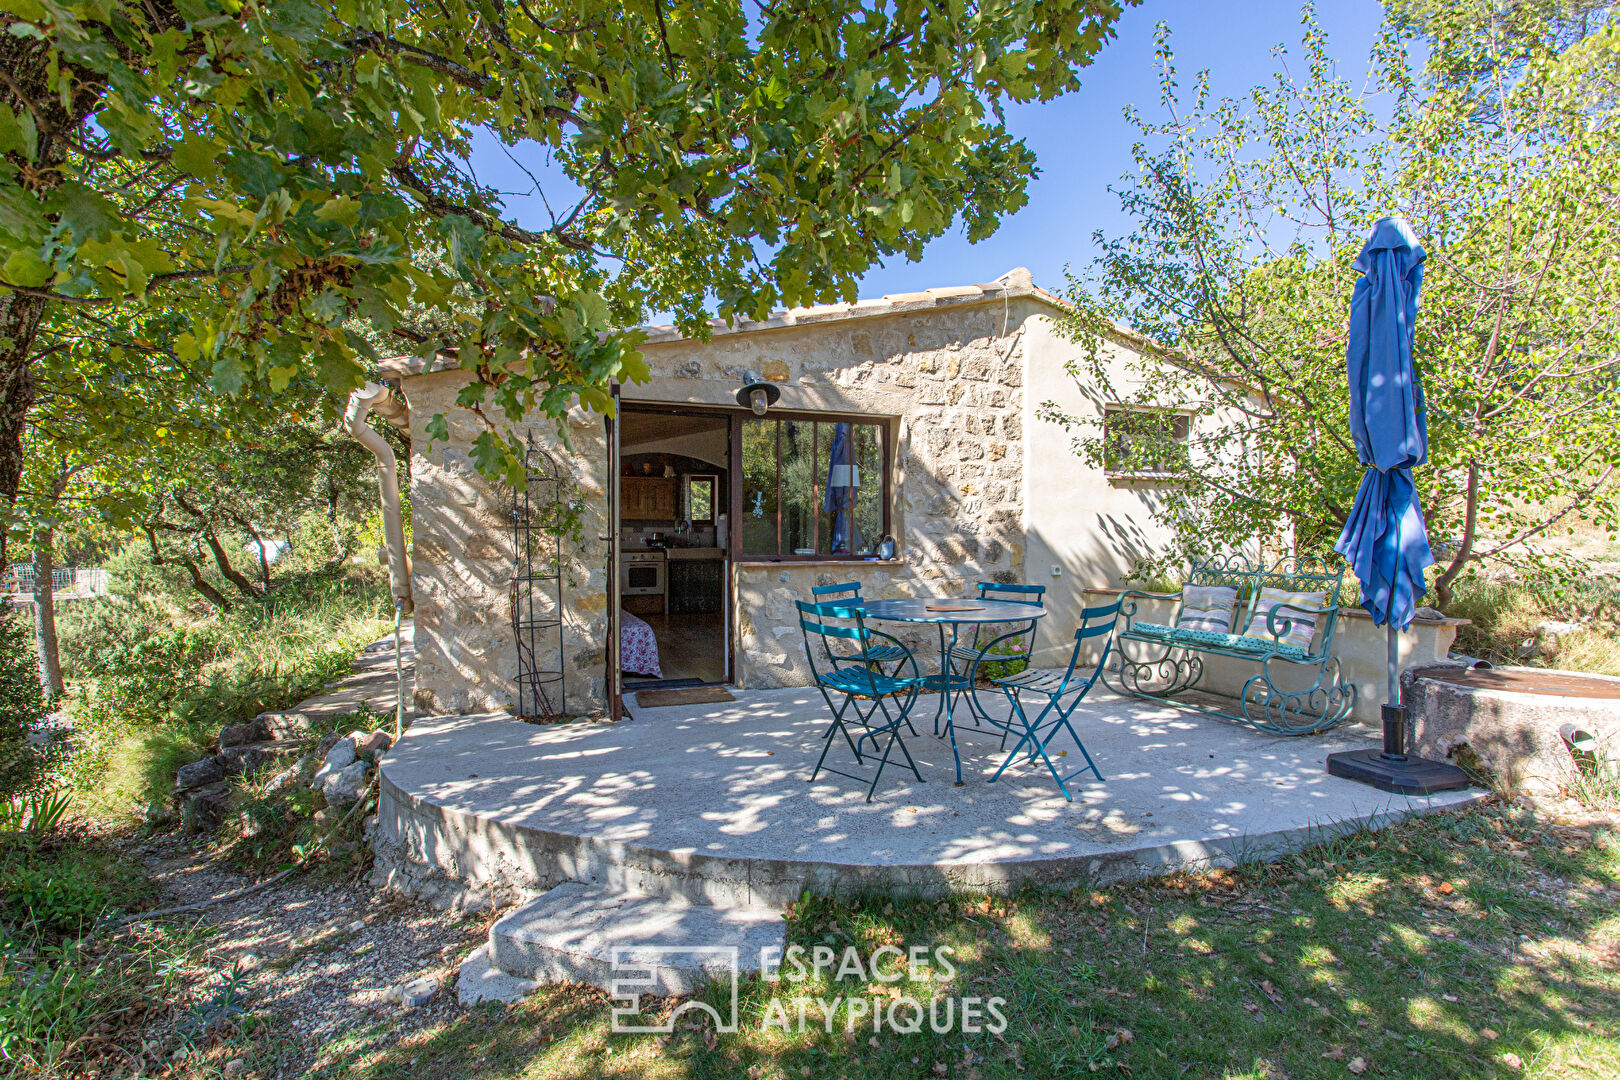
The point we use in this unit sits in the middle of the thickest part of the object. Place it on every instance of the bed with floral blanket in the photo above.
(638, 647)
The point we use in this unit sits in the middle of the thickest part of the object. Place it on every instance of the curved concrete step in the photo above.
(578, 932)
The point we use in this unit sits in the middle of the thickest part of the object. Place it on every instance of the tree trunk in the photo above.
(19, 324)
(1465, 546)
(221, 559)
(50, 660)
(198, 582)
(26, 89)
(258, 543)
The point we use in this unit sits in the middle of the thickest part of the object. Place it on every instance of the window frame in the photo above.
(885, 428)
(1174, 415)
(713, 480)
(734, 493)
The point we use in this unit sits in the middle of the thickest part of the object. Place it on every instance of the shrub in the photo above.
(85, 632)
(22, 703)
(61, 885)
(150, 704)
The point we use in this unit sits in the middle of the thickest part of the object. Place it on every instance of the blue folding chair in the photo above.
(848, 594)
(853, 676)
(1053, 685)
(994, 643)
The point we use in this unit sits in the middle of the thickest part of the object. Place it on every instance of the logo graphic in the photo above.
(664, 970)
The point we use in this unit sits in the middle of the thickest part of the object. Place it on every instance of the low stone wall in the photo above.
(1517, 723)
(1362, 649)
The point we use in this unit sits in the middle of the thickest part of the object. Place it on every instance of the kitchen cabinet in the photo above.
(649, 498)
(695, 585)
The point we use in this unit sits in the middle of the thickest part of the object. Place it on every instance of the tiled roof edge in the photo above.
(1015, 283)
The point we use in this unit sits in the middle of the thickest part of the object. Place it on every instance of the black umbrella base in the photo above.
(1404, 775)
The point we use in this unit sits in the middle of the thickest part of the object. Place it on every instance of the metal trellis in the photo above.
(538, 512)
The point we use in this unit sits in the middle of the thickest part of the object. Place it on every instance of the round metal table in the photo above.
(984, 611)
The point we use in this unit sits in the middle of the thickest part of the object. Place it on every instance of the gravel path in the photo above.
(319, 957)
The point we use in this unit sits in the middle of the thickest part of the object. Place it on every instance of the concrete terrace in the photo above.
(710, 803)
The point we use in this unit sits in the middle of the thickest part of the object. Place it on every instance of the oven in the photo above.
(643, 573)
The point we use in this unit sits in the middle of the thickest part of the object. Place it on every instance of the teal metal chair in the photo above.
(849, 595)
(1037, 734)
(848, 674)
(1016, 642)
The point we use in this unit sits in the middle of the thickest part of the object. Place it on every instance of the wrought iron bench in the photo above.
(1157, 662)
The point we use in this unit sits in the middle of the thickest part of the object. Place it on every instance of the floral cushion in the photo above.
(1207, 608)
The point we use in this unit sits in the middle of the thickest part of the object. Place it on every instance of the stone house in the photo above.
(936, 396)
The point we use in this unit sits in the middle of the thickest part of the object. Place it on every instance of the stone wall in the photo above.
(949, 379)
(461, 566)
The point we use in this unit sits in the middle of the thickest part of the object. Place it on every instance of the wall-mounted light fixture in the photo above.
(757, 394)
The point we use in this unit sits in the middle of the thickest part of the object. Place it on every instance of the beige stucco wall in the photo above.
(951, 380)
(1083, 529)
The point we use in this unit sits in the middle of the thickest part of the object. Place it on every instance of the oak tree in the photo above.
(292, 176)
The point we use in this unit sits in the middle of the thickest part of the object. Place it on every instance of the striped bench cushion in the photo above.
(1302, 624)
(1207, 608)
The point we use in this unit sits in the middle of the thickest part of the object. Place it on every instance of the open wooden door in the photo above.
(611, 682)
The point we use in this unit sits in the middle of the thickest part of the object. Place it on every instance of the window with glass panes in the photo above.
(812, 488)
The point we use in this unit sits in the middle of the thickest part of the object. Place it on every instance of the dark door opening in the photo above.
(674, 472)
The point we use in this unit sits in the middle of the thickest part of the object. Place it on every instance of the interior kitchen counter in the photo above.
(696, 553)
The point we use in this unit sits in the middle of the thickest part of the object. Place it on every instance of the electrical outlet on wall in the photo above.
(1057, 570)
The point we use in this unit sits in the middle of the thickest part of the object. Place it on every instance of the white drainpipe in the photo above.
(361, 402)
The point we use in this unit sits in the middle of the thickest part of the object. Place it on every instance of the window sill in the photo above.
(814, 560)
(1140, 478)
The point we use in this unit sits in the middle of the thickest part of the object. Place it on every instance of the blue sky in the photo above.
(1082, 141)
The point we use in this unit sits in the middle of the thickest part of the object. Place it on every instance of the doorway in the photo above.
(674, 571)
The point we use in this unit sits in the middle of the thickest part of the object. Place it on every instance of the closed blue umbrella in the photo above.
(1384, 539)
(843, 484)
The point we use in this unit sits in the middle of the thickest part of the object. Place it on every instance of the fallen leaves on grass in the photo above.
(1358, 1065)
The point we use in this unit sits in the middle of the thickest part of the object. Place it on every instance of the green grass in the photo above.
(1504, 613)
(60, 888)
(65, 994)
(77, 995)
(259, 657)
(1476, 944)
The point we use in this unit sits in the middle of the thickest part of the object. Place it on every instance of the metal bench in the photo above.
(1157, 662)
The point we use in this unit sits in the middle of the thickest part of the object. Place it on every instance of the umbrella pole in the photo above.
(1391, 769)
(1394, 712)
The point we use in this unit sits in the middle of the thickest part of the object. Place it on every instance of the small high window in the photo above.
(1144, 442)
(697, 501)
